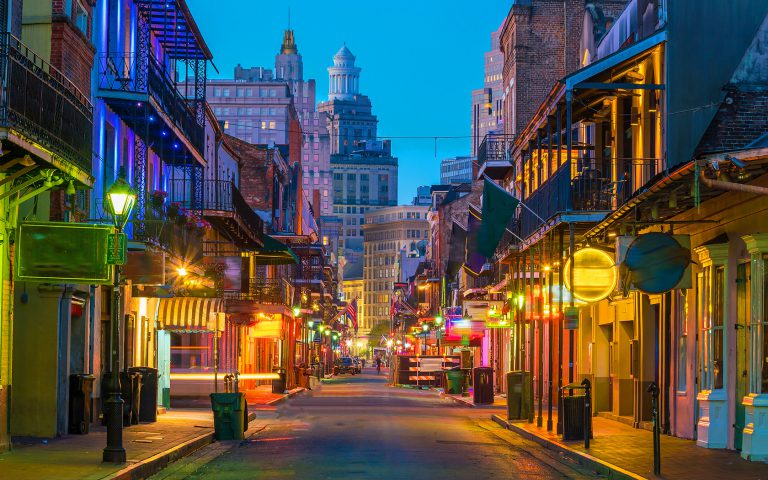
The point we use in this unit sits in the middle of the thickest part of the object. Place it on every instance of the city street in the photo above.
(357, 427)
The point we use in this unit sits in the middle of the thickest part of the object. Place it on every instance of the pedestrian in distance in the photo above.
(378, 365)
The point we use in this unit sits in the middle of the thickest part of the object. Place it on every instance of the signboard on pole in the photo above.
(116, 249)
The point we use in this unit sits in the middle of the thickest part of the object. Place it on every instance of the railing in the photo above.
(495, 148)
(271, 291)
(640, 19)
(592, 189)
(39, 102)
(223, 195)
(163, 225)
(135, 73)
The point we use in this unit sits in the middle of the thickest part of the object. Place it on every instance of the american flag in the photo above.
(351, 313)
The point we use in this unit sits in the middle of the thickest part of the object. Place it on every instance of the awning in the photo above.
(274, 253)
(189, 313)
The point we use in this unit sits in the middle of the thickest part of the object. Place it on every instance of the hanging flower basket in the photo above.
(173, 211)
(158, 199)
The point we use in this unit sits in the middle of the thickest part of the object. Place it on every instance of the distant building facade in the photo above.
(456, 170)
(263, 106)
(487, 105)
(423, 196)
(387, 231)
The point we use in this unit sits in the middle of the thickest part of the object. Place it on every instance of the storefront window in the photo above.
(717, 327)
(763, 329)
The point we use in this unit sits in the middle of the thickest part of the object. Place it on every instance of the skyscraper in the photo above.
(262, 106)
(487, 106)
(456, 170)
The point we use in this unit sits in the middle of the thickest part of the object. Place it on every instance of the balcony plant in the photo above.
(173, 210)
(158, 199)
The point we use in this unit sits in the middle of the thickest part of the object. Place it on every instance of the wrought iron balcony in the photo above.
(169, 228)
(267, 291)
(588, 192)
(40, 105)
(222, 204)
(493, 155)
(143, 93)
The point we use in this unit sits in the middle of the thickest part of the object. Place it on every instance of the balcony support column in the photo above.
(140, 183)
(569, 136)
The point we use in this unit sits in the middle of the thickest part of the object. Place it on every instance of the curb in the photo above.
(150, 466)
(601, 467)
(458, 400)
(287, 396)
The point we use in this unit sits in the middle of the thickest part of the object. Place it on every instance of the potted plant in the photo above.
(158, 199)
(182, 216)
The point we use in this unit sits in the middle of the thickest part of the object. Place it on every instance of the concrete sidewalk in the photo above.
(148, 446)
(262, 396)
(620, 451)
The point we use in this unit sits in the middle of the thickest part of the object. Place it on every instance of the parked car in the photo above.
(346, 365)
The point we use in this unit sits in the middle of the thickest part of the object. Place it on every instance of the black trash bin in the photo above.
(574, 412)
(483, 385)
(278, 384)
(518, 395)
(130, 386)
(147, 407)
(80, 388)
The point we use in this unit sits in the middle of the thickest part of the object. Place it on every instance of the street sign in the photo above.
(116, 254)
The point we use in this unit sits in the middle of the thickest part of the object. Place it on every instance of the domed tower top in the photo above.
(343, 76)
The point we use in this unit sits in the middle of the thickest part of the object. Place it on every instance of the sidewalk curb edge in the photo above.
(584, 459)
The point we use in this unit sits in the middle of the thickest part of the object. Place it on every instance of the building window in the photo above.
(226, 92)
(80, 18)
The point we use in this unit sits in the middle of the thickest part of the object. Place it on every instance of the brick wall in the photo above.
(71, 51)
(540, 43)
(257, 170)
(740, 120)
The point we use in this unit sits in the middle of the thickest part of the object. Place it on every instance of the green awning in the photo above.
(274, 253)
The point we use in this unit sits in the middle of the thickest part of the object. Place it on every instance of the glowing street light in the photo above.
(120, 205)
(438, 320)
(389, 343)
(181, 271)
(296, 312)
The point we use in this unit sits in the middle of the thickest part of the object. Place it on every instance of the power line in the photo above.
(412, 137)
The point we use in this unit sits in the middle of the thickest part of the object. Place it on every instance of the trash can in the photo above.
(80, 388)
(147, 407)
(518, 395)
(483, 385)
(278, 384)
(573, 406)
(228, 415)
(454, 381)
(130, 386)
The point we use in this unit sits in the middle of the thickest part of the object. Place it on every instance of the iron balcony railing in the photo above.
(217, 196)
(587, 188)
(223, 196)
(39, 102)
(133, 73)
(495, 148)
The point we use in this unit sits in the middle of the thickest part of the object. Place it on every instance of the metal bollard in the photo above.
(653, 389)
(587, 411)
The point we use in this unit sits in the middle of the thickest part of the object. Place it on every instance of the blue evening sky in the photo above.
(420, 60)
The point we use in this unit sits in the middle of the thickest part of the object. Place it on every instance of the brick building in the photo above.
(540, 41)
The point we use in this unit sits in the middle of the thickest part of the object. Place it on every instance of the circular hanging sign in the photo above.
(594, 274)
(655, 263)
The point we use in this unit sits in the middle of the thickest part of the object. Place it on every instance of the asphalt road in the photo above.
(356, 427)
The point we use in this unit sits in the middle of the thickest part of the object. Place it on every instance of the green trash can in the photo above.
(454, 381)
(228, 415)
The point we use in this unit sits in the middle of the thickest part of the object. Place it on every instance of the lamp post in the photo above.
(120, 200)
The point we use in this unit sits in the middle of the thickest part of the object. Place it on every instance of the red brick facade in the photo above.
(540, 43)
(71, 51)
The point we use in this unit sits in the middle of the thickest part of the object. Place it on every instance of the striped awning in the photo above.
(189, 313)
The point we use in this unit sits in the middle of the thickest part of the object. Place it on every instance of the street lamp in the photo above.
(121, 198)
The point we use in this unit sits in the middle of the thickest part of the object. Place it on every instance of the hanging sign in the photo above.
(594, 274)
(655, 263)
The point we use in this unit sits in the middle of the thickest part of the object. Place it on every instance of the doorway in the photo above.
(742, 322)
